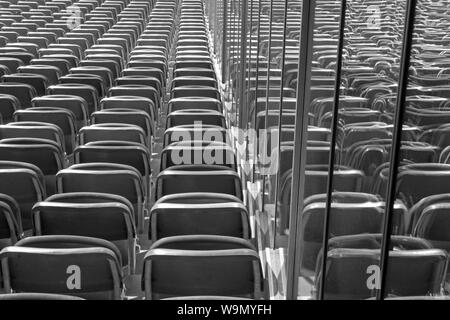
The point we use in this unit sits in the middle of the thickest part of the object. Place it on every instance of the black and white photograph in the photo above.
(220, 157)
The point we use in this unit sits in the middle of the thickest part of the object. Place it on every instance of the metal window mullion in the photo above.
(243, 64)
(331, 160)
(396, 144)
(224, 41)
(301, 132)
(280, 113)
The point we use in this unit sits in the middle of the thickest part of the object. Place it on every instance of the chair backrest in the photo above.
(52, 73)
(84, 267)
(199, 213)
(126, 116)
(85, 91)
(192, 116)
(114, 131)
(30, 129)
(198, 152)
(194, 103)
(103, 72)
(410, 273)
(131, 102)
(198, 178)
(22, 91)
(24, 183)
(62, 118)
(346, 219)
(61, 64)
(44, 154)
(37, 81)
(208, 91)
(111, 178)
(8, 105)
(432, 225)
(202, 265)
(80, 213)
(122, 152)
(207, 133)
(10, 221)
(111, 65)
(76, 104)
(418, 181)
(90, 79)
(136, 90)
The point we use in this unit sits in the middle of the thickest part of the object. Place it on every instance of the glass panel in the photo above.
(362, 140)
(423, 172)
(370, 62)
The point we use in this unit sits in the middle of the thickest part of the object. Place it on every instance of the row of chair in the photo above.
(369, 83)
(88, 211)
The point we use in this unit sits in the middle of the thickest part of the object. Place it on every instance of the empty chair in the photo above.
(103, 72)
(199, 213)
(122, 152)
(10, 221)
(48, 264)
(30, 129)
(202, 265)
(194, 103)
(90, 79)
(195, 116)
(37, 81)
(61, 64)
(97, 215)
(51, 73)
(4, 70)
(194, 71)
(147, 81)
(87, 92)
(106, 56)
(11, 63)
(71, 59)
(128, 116)
(75, 104)
(206, 133)
(112, 178)
(417, 181)
(40, 41)
(117, 48)
(115, 41)
(345, 219)
(410, 272)
(149, 63)
(63, 118)
(205, 64)
(131, 102)
(44, 154)
(24, 183)
(113, 131)
(36, 297)
(146, 72)
(198, 178)
(432, 224)
(8, 105)
(23, 92)
(195, 91)
(198, 152)
(374, 241)
(111, 65)
(194, 81)
(347, 179)
(138, 91)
